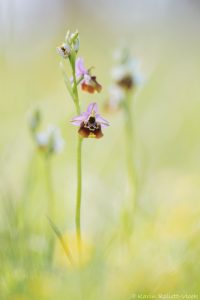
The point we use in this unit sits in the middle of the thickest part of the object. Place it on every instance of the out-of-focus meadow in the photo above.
(161, 253)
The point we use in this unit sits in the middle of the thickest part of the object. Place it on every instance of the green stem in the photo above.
(75, 91)
(49, 186)
(129, 133)
(79, 167)
(29, 184)
(62, 241)
(78, 195)
(74, 94)
(51, 202)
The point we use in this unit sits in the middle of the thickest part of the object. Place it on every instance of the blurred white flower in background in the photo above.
(127, 69)
(50, 140)
(126, 77)
(116, 96)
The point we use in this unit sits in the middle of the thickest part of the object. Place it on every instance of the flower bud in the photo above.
(35, 120)
(76, 45)
(64, 50)
(74, 36)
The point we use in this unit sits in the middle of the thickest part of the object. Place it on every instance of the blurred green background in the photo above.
(162, 255)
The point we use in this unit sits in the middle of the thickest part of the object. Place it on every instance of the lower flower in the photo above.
(90, 122)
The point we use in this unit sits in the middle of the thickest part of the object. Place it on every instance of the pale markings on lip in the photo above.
(91, 124)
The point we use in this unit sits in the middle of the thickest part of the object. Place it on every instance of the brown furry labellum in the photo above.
(90, 129)
(91, 86)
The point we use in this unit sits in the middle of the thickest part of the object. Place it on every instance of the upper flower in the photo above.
(90, 122)
(88, 82)
(50, 140)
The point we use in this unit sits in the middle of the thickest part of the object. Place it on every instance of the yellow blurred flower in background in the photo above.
(60, 258)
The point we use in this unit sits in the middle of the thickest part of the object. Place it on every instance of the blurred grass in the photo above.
(162, 255)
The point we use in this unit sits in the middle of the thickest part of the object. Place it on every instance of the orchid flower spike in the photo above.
(88, 82)
(90, 123)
